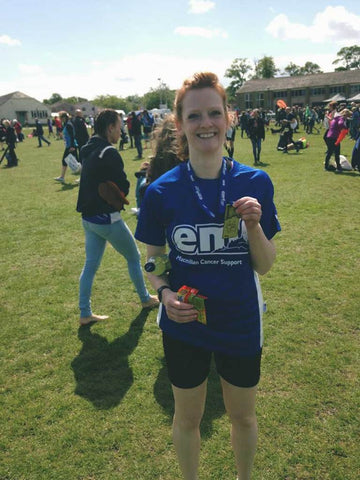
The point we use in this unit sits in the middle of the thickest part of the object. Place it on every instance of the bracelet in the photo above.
(160, 290)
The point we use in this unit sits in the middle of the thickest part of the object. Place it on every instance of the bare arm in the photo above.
(178, 311)
(262, 250)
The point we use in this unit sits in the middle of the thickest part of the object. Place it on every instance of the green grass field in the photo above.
(95, 403)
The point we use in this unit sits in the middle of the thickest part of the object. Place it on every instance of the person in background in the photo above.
(256, 129)
(165, 149)
(185, 208)
(328, 117)
(68, 133)
(148, 124)
(164, 159)
(337, 124)
(91, 123)
(129, 128)
(136, 125)
(50, 128)
(40, 133)
(10, 139)
(141, 176)
(18, 130)
(123, 137)
(355, 122)
(81, 131)
(58, 126)
(102, 222)
(230, 134)
(2, 134)
(244, 120)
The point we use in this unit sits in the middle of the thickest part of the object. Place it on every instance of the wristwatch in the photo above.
(160, 290)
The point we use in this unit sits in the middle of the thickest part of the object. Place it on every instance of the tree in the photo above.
(74, 100)
(310, 68)
(112, 101)
(134, 102)
(161, 95)
(55, 97)
(237, 72)
(292, 70)
(350, 57)
(151, 99)
(265, 68)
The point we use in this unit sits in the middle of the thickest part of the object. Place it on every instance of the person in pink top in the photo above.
(337, 124)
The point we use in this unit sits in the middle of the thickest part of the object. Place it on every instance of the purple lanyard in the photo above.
(199, 195)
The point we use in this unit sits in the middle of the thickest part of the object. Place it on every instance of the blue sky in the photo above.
(100, 47)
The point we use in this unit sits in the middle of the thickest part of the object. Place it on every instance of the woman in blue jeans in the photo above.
(102, 222)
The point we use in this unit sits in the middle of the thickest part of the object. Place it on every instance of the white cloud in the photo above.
(200, 6)
(201, 32)
(335, 24)
(323, 60)
(122, 77)
(29, 69)
(11, 42)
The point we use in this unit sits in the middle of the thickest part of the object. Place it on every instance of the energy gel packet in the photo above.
(190, 295)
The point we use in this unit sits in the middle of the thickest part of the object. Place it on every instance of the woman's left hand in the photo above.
(249, 210)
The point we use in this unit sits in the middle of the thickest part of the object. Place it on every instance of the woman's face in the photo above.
(114, 131)
(204, 120)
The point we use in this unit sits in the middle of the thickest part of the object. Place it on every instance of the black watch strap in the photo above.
(160, 290)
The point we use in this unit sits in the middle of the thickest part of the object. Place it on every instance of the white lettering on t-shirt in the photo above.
(207, 239)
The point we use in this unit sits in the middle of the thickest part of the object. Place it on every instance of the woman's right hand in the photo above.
(177, 311)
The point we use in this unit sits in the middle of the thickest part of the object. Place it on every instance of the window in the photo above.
(354, 89)
(248, 103)
(318, 91)
(337, 89)
(298, 93)
(39, 114)
(280, 94)
(260, 100)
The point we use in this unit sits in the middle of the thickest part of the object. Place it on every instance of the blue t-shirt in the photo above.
(219, 268)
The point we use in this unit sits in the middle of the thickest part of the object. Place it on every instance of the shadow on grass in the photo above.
(348, 173)
(214, 404)
(68, 186)
(101, 370)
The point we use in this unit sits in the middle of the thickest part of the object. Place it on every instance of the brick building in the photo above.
(299, 90)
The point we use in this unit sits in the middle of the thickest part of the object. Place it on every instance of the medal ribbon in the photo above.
(199, 195)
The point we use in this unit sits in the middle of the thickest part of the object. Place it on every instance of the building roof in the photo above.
(71, 107)
(62, 105)
(301, 81)
(10, 96)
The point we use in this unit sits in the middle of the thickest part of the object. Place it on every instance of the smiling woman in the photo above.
(204, 122)
(199, 82)
(188, 207)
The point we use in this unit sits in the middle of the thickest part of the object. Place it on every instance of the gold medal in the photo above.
(231, 222)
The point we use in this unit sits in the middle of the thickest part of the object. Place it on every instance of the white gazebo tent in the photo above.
(336, 98)
(356, 98)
